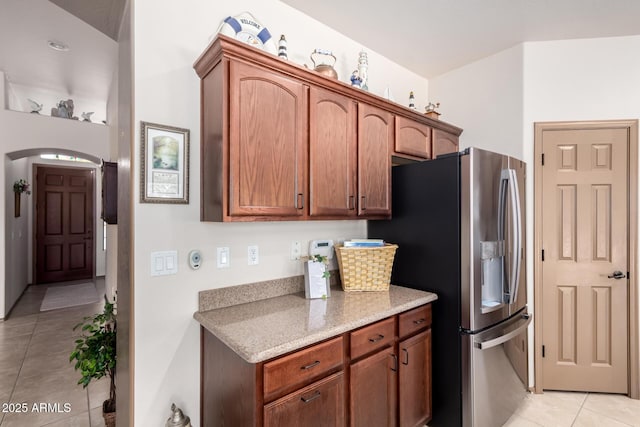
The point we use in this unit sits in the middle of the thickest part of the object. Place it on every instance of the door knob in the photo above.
(617, 275)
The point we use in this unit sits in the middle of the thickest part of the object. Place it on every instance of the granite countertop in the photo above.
(268, 328)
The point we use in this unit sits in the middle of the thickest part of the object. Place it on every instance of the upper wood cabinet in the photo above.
(375, 139)
(332, 154)
(412, 138)
(282, 142)
(267, 143)
(444, 142)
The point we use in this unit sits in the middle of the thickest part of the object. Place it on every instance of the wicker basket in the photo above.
(366, 269)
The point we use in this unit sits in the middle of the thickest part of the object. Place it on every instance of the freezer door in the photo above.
(496, 365)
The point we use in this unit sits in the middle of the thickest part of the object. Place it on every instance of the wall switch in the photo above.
(252, 255)
(296, 251)
(163, 263)
(223, 257)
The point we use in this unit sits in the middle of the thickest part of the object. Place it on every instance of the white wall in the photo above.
(168, 38)
(17, 238)
(589, 79)
(25, 131)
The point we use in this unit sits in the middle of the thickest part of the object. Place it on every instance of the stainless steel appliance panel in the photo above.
(519, 300)
(486, 286)
(497, 364)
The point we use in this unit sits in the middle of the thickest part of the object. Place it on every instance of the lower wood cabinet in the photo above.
(414, 371)
(372, 389)
(376, 375)
(320, 404)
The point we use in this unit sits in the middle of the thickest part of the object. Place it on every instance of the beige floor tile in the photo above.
(98, 391)
(46, 362)
(615, 406)
(587, 418)
(76, 401)
(550, 409)
(80, 420)
(517, 421)
(16, 330)
(95, 416)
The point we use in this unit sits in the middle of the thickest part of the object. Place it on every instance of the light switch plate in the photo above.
(164, 263)
(223, 255)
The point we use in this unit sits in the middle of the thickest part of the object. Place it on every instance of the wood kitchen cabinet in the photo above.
(379, 374)
(443, 143)
(267, 142)
(412, 138)
(375, 139)
(282, 142)
(332, 154)
(414, 367)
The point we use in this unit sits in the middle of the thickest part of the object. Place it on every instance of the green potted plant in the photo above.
(19, 187)
(95, 355)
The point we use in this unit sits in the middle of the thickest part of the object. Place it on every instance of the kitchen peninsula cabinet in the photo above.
(282, 142)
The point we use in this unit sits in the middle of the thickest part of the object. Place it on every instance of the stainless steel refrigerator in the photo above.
(459, 222)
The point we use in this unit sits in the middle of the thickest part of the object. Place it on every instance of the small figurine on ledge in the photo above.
(430, 110)
(356, 81)
(412, 100)
(35, 107)
(282, 47)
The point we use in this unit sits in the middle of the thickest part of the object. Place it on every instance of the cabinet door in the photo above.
(332, 151)
(414, 389)
(267, 143)
(321, 404)
(412, 138)
(443, 142)
(375, 141)
(373, 390)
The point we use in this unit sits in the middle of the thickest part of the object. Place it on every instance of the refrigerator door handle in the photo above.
(509, 179)
(516, 254)
(484, 345)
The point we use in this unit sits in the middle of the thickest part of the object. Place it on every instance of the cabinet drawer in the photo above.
(291, 372)
(320, 404)
(414, 320)
(372, 337)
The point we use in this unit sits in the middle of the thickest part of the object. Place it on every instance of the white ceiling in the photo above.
(85, 71)
(429, 37)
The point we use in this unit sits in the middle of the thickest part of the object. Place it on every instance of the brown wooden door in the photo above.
(373, 385)
(268, 143)
(375, 142)
(414, 387)
(319, 405)
(64, 224)
(332, 154)
(584, 238)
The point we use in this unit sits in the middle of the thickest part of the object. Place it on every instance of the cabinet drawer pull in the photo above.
(316, 363)
(300, 201)
(376, 339)
(314, 396)
(395, 363)
(352, 203)
(363, 203)
(419, 321)
(406, 356)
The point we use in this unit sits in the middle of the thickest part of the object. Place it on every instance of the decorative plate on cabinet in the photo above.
(247, 29)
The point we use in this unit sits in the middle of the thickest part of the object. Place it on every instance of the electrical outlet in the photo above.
(223, 257)
(296, 251)
(252, 255)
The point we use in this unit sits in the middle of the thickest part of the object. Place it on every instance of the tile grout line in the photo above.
(579, 409)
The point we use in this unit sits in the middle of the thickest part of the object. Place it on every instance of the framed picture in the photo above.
(164, 172)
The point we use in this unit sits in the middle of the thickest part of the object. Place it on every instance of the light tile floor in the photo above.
(575, 409)
(35, 367)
